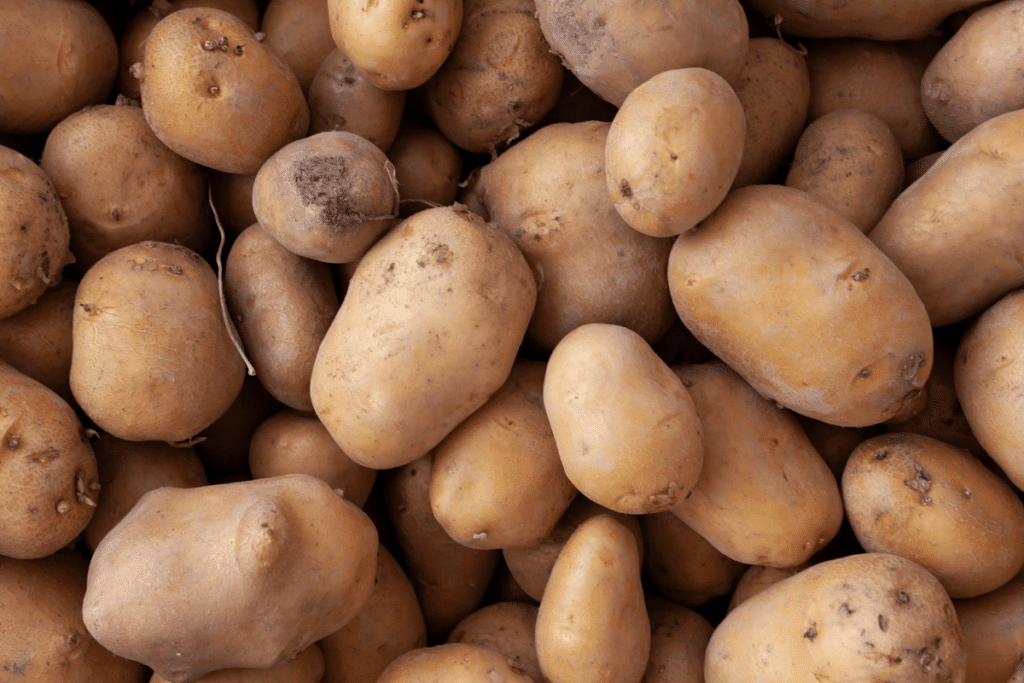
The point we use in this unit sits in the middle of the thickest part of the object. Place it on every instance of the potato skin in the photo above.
(772, 321)
(505, 627)
(679, 637)
(994, 633)
(872, 19)
(925, 500)
(862, 617)
(299, 31)
(307, 667)
(452, 663)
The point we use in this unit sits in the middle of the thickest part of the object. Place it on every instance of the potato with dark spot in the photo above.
(327, 197)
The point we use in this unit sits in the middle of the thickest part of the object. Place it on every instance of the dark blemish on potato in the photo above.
(883, 623)
(845, 609)
(967, 493)
(811, 633)
(902, 598)
(412, 472)
(673, 156)
(926, 500)
(861, 275)
(13, 442)
(626, 190)
(865, 373)
(688, 494)
(238, 49)
(880, 454)
(321, 181)
(897, 660)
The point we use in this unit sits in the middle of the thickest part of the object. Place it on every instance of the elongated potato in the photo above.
(833, 331)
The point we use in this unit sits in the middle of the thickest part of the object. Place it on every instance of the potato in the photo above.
(216, 95)
(757, 578)
(994, 633)
(34, 234)
(679, 637)
(42, 637)
(452, 663)
(388, 625)
(614, 47)
(292, 442)
(283, 304)
(120, 185)
(834, 444)
(341, 98)
(496, 479)
(850, 161)
(874, 19)
(918, 167)
(681, 563)
(48, 478)
(592, 623)
(626, 429)
(973, 77)
(224, 446)
(151, 358)
(500, 78)
(764, 495)
(450, 579)
(285, 560)
(833, 331)
(860, 618)
(775, 91)
(299, 31)
(673, 150)
(397, 44)
(59, 56)
(232, 198)
(37, 341)
(431, 324)
(129, 470)
(548, 193)
(428, 168)
(307, 667)
(987, 375)
(913, 496)
(954, 233)
(507, 628)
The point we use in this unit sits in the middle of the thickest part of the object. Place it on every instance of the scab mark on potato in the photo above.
(881, 455)
(625, 189)
(883, 623)
(902, 598)
(811, 633)
(320, 181)
(845, 610)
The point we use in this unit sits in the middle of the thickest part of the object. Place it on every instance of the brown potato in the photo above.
(428, 168)
(307, 667)
(452, 663)
(874, 19)
(994, 633)
(679, 637)
(756, 579)
(232, 199)
(224, 446)
(299, 31)
(507, 628)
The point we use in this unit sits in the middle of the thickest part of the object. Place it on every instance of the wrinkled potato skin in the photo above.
(227, 110)
(764, 495)
(390, 386)
(505, 627)
(452, 663)
(988, 373)
(922, 499)
(955, 232)
(47, 469)
(59, 56)
(872, 19)
(613, 48)
(751, 289)
(815, 625)
(993, 632)
(282, 304)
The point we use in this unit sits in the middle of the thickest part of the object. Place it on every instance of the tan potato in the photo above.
(327, 197)
(285, 560)
(307, 667)
(507, 628)
(299, 31)
(341, 98)
(120, 185)
(681, 563)
(59, 56)
(614, 47)
(429, 329)
(216, 95)
(834, 444)
(232, 199)
(397, 44)
(866, 617)
(291, 442)
(34, 234)
(42, 637)
(626, 429)
(496, 479)
(388, 625)
(130, 469)
(151, 358)
(282, 304)
(452, 663)
(775, 91)
(994, 633)
(987, 375)
(679, 637)
(918, 167)
(592, 623)
(500, 78)
(834, 332)
(548, 193)
(428, 168)
(224, 446)
(48, 477)
(673, 150)
(874, 19)
(954, 233)
(913, 496)
(849, 160)
(757, 578)
(450, 579)
(764, 495)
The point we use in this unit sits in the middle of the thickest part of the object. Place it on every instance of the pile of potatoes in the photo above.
(494, 341)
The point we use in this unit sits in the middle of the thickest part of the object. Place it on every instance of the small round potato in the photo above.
(452, 663)
(679, 637)
(428, 168)
(299, 31)
(505, 627)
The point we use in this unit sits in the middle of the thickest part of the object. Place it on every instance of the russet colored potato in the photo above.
(994, 633)
(679, 637)
(874, 19)
(506, 627)
(452, 663)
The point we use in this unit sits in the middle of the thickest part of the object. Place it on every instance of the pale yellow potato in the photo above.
(913, 496)
(850, 161)
(833, 331)
(397, 44)
(431, 324)
(864, 617)
(614, 47)
(756, 579)
(626, 429)
(452, 663)
(764, 495)
(994, 633)
(592, 624)
(507, 628)
(673, 150)
(299, 31)
(679, 637)
(497, 480)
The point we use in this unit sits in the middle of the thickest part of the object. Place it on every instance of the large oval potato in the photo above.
(803, 306)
